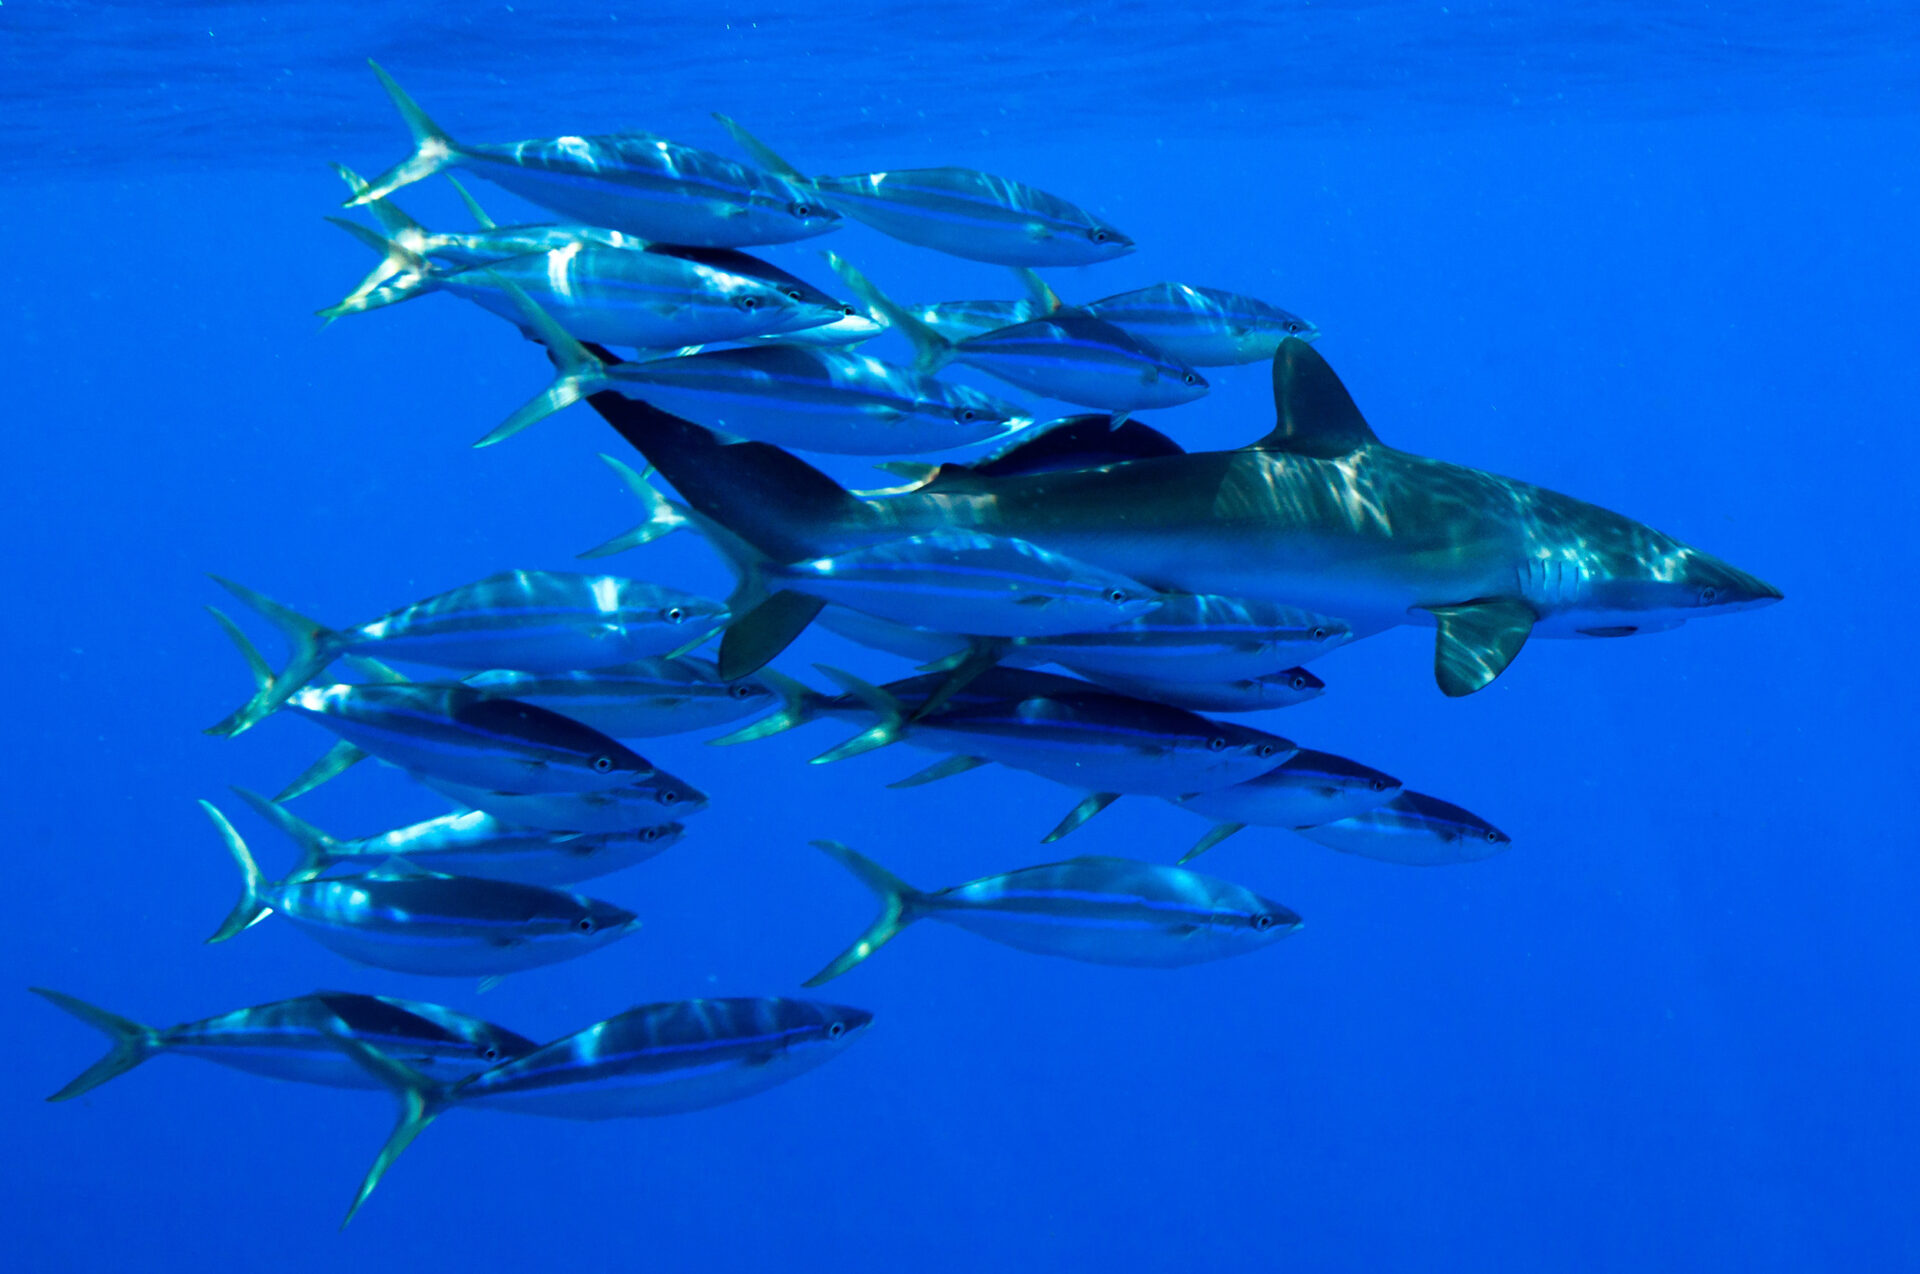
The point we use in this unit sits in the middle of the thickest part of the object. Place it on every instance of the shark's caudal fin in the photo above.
(661, 516)
(931, 350)
(421, 1102)
(1477, 640)
(130, 1043)
(761, 153)
(433, 150)
(314, 647)
(318, 851)
(900, 905)
(1313, 413)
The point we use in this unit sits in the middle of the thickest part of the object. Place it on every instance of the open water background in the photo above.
(1659, 256)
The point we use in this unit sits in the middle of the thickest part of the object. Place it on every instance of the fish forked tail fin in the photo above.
(421, 1102)
(433, 150)
(888, 729)
(131, 1043)
(314, 646)
(761, 153)
(931, 350)
(799, 704)
(253, 906)
(900, 905)
(662, 516)
(580, 373)
(318, 851)
(403, 273)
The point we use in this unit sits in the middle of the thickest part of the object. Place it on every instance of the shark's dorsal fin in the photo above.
(1477, 641)
(1313, 413)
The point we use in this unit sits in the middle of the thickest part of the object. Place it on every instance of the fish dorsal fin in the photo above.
(1477, 641)
(1313, 413)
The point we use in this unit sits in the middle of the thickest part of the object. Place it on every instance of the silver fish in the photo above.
(632, 182)
(959, 211)
(473, 843)
(416, 921)
(1306, 789)
(1100, 910)
(297, 1039)
(1201, 327)
(653, 802)
(529, 621)
(1287, 688)
(643, 699)
(657, 1059)
(1415, 829)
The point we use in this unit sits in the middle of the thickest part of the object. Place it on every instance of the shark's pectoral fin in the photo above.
(764, 632)
(1477, 641)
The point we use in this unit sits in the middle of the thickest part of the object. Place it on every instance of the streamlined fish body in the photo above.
(656, 801)
(1201, 327)
(1307, 789)
(645, 698)
(1414, 829)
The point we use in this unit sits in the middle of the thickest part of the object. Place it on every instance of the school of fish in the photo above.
(1163, 587)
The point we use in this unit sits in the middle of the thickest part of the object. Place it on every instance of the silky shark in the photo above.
(1317, 513)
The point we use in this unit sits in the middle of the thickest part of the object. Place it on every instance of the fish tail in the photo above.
(131, 1043)
(931, 350)
(432, 148)
(580, 372)
(888, 729)
(330, 764)
(900, 905)
(252, 907)
(314, 647)
(396, 224)
(474, 209)
(403, 273)
(799, 703)
(421, 1102)
(318, 851)
(761, 153)
(661, 516)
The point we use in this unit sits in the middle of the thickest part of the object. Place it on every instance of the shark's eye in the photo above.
(1707, 594)
(602, 764)
(836, 1030)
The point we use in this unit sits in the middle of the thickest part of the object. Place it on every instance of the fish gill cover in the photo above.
(1047, 618)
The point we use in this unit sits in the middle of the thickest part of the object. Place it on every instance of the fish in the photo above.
(1414, 829)
(643, 699)
(295, 1039)
(1069, 356)
(474, 843)
(402, 918)
(1094, 909)
(959, 211)
(652, 1060)
(632, 182)
(1287, 688)
(1201, 327)
(526, 621)
(1316, 513)
(819, 399)
(619, 296)
(656, 801)
(998, 587)
(1306, 789)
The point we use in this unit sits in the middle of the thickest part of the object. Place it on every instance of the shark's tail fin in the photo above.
(421, 1102)
(253, 906)
(318, 851)
(761, 153)
(661, 515)
(433, 150)
(314, 647)
(580, 373)
(131, 1043)
(900, 905)
(931, 350)
(892, 723)
(403, 273)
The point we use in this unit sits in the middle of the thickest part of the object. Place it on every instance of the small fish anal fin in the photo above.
(1314, 415)
(1215, 834)
(1476, 642)
(944, 768)
(1079, 814)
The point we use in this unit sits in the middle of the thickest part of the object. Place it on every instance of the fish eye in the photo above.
(800, 208)
(1319, 634)
(740, 690)
(490, 1054)
(966, 414)
(1097, 235)
(1191, 379)
(667, 796)
(1216, 743)
(1117, 596)
(1493, 837)
(1264, 750)
(1263, 922)
(648, 835)
(748, 303)
(836, 1030)
(602, 764)
(849, 311)
(1708, 593)
(1378, 785)
(1298, 683)
(675, 614)
(584, 924)
(793, 294)
(1296, 327)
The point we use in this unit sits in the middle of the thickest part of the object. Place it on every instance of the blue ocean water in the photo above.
(1659, 257)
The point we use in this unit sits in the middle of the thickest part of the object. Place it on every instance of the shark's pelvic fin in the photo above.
(1313, 413)
(1477, 641)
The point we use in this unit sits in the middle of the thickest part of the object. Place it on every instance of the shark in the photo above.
(1317, 512)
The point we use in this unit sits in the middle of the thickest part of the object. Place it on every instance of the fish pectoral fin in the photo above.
(1477, 640)
(1039, 231)
(942, 769)
(1080, 814)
